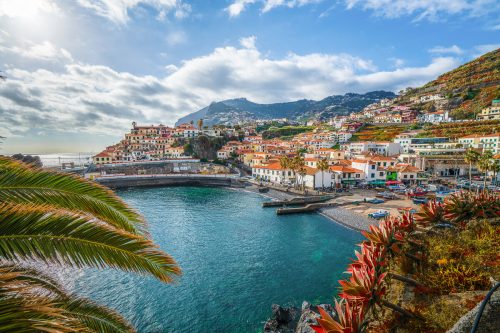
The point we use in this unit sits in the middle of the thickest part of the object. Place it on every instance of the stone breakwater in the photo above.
(295, 320)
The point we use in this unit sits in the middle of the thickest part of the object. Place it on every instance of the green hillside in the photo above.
(469, 88)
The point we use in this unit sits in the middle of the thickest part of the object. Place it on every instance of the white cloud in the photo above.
(117, 10)
(176, 37)
(238, 6)
(45, 51)
(485, 48)
(26, 8)
(271, 4)
(454, 49)
(248, 42)
(97, 99)
(425, 9)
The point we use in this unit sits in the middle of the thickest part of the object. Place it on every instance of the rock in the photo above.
(284, 320)
(490, 319)
(306, 306)
(293, 320)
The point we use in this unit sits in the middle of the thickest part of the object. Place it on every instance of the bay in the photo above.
(237, 260)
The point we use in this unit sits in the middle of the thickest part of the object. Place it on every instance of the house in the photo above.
(407, 173)
(345, 176)
(435, 117)
(374, 174)
(381, 147)
(272, 172)
(491, 112)
(486, 142)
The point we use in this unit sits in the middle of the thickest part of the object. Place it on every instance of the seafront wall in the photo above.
(169, 180)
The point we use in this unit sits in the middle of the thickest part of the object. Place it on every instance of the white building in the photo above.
(486, 142)
(385, 148)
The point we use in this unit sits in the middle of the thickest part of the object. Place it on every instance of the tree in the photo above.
(323, 166)
(60, 219)
(496, 169)
(285, 164)
(471, 157)
(298, 166)
(485, 164)
(200, 123)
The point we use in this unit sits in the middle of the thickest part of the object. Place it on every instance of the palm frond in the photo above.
(42, 298)
(19, 314)
(96, 318)
(21, 183)
(15, 279)
(53, 235)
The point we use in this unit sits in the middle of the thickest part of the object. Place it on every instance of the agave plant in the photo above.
(464, 206)
(59, 219)
(390, 234)
(350, 319)
(364, 286)
(431, 213)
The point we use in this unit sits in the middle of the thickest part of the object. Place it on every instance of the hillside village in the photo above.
(299, 160)
(416, 136)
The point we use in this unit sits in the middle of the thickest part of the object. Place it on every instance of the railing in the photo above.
(172, 175)
(483, 305)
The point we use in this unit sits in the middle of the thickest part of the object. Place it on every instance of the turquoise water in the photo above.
(237, 259)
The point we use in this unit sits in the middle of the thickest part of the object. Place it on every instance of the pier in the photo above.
(297, 201)
(305, 209)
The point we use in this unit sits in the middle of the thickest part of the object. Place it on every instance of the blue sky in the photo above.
(79, 72)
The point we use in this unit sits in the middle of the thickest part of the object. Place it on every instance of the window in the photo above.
(372, 175)
(381, 174)
(373, 166)
(411, 176)
(405, 176)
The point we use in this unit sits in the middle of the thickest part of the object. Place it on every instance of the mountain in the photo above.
(238, 110)
(468, 88)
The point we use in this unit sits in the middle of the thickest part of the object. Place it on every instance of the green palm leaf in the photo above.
(23, 184)
(21, 288)
(96, 318)
(53, 235)
(23, 315)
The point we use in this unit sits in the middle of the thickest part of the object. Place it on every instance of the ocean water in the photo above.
(51, 160)
(237, 260)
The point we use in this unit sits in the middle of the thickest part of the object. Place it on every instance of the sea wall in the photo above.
(169, 180)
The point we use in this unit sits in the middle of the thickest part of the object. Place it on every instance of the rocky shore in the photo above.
(294, 320)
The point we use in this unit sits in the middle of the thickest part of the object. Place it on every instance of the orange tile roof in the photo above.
(343, 168)
(270, 166)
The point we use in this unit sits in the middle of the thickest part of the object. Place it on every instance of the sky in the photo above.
(78, 72)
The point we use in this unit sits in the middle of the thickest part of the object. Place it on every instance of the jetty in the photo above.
(297, 201)
(305, 209)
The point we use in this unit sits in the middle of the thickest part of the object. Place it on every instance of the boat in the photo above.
(379, 214)
(263, 189)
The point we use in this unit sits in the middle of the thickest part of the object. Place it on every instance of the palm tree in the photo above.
(471, 157)
(485, 164)
(285, 163)
(200, 123)
(323, 166)
(59, 219)
(496, 169)
(298, 165)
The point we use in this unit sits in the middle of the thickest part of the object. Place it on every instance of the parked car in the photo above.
(379, 214)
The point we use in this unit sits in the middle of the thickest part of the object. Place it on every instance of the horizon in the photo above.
(79, 73)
